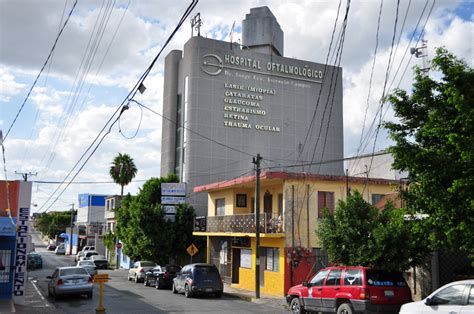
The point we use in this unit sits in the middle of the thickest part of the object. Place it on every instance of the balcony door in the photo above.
(267, 202)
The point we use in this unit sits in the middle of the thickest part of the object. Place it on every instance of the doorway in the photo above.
(235, 265)
(267, 202)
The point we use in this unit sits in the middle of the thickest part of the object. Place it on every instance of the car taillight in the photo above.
(190, 282)
(364, 294)
(165, 275)
(142, 270)
(60, 282)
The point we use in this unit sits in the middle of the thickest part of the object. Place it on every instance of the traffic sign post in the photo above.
(192, 250)
(119, 245)
(100, 279)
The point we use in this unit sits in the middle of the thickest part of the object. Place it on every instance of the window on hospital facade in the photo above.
(325, 200)
(273, 259)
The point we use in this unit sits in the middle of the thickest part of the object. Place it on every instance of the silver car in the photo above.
(70, 281)
(89, 266)
(138, 270)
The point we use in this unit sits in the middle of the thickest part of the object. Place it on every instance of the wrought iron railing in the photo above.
(242, 223)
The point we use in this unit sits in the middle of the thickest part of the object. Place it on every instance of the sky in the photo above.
(107, 45)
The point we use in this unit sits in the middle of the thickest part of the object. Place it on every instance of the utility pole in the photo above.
(422, 52)
(256, 161)
(70, 232)
(26, 174)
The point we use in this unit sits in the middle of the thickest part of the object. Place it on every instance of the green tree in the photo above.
(123, 170)
(144, 230)
(360, 234)
(434, 143)
(54, 223)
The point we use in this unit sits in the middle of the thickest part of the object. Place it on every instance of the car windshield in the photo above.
(385, 278)
(73, 271)
(91, 253)
(147, 264)
(206, 272)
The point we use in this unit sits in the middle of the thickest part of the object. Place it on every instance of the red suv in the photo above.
(350, 289)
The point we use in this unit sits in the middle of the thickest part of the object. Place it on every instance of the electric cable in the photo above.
(190, 130)
(41, 71)
(130, 95)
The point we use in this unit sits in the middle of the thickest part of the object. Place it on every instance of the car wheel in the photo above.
(49, 292)
(219, 294)
(187, 291)
(158, 284)
(55, 295)
(136, 279)
(89, 295)
(296, 307)
(344, 308)
(145, 282)
(173, 289)
(129, 278)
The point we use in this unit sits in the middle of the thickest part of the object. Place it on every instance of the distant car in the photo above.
(350, 289)
(60, 250)
(161, 276)
(88, 254)
(89, 266)
(100, 261)
(83, 251)
(454, 297)
(51, 247)
(34, 261)
(138, 270)
(198, 279)
(70, 281)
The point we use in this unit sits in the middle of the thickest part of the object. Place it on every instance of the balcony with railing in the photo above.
(242, 223)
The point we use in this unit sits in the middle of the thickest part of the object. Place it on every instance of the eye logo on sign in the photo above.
(212, 64)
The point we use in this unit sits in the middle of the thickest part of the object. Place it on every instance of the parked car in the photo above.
(100, 261)
(89, 266)
(198, 279)
(60, 249)
(350, 290)
(70, 281)
(88, 254)
(51, 247)
(83, 251)
(34, 261)
(454, 297)
(161, 276)
(138, 270)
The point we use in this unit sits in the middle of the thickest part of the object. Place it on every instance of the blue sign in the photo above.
(7, 227)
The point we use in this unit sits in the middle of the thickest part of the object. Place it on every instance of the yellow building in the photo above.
(290, 206)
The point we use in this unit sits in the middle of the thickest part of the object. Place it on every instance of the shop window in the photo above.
(220, 207)
(273, 259)
(325, 200)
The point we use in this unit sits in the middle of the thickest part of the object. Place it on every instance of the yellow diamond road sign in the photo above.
(192, 249)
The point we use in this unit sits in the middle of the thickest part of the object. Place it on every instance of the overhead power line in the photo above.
(41, 71)
(123, 106)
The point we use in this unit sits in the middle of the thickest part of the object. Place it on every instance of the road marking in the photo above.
(39, 292)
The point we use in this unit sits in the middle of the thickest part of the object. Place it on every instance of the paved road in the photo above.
(122, 296)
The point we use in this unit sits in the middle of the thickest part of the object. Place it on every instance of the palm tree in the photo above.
(123, 170)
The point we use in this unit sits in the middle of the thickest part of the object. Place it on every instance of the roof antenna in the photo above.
(196, 24)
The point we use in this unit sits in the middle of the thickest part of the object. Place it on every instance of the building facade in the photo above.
(224, 103)
(290, 206)
(91, 222)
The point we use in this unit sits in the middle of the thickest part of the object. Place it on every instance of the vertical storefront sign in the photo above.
(20, 277)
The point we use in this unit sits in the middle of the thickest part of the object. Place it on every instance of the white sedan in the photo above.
(454, 298)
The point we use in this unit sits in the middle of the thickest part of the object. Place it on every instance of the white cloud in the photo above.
(8, 85)
(307, 27)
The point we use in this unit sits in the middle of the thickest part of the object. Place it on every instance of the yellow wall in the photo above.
(301, 204)
(273, 281)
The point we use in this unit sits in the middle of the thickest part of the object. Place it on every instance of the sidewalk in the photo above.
(270, 300)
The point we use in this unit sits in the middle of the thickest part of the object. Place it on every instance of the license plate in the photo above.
(208, 289)
(388, 293)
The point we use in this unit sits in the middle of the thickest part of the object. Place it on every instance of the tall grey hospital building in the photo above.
(224, 103)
